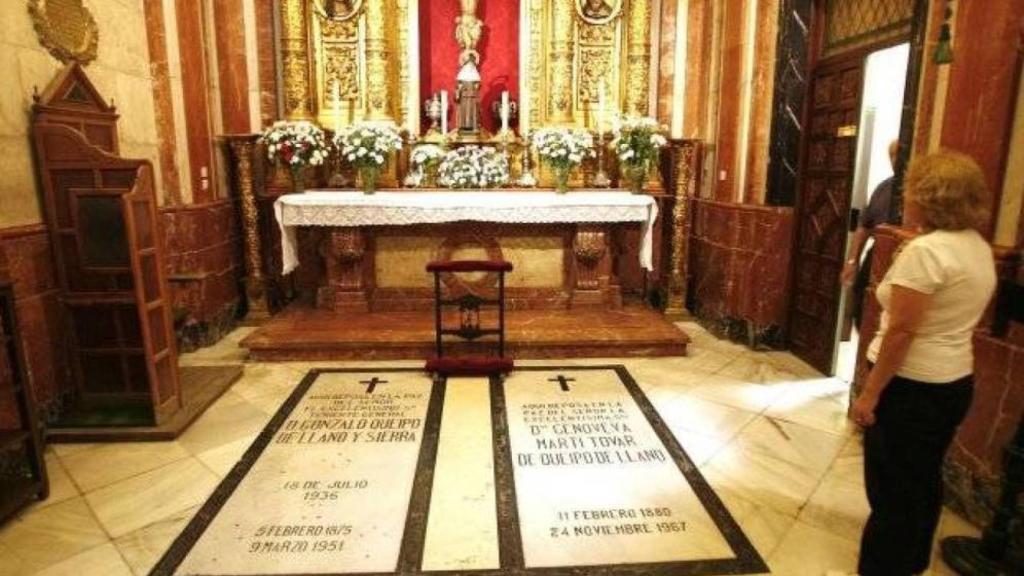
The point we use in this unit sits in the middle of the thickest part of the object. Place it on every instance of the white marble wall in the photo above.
(121, 72)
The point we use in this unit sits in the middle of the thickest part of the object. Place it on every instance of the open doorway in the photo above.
(881, 109)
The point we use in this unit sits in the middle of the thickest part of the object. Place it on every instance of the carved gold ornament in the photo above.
(337, 10)
(598, 12)
(66, 29)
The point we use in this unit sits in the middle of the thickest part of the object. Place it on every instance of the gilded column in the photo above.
(404, 80)
(638, 58)
(378, 99)
(242, 148)
(684, 163)
(561, 55)
(295, 60)
(535, 26)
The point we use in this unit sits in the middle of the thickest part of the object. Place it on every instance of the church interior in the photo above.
(502, 287)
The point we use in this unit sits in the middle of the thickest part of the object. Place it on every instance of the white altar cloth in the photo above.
(347, 208)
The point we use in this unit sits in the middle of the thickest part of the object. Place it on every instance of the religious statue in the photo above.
(467, 32)
(598, 11)
(467, 97)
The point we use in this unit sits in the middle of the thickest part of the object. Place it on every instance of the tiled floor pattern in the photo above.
(768, 432)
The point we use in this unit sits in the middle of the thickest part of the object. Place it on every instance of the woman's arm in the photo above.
(907, 308)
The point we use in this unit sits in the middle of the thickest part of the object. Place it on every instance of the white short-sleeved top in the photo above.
(958, 270)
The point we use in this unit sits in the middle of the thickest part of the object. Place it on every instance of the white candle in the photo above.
(444, 113)
(504, 111)
(600, 110)
(337, 106)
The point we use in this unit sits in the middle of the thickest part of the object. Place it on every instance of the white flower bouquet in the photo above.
(473, 167)
(426, 155)
(424, 160)
(368, 148)
(563, 149)
(295, 145)
(637, 143)
(368, 145)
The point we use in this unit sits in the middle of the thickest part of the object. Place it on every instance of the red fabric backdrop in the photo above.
(499, 52)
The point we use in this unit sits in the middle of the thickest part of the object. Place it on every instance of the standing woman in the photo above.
(921, 379)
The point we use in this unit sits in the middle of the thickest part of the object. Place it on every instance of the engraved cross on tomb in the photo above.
(563, 382)
(371, 384)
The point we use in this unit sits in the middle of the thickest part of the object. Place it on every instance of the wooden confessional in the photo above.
(101, 212)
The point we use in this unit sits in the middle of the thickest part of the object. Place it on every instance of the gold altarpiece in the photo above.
(363, 49)
(356, 52)
(566, 60)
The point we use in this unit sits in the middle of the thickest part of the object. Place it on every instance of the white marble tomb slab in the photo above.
(331, 492)
(594, 483)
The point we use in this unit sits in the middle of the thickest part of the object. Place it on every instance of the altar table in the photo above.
(353, 211)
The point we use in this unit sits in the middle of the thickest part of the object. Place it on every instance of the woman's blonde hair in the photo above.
(949, 189)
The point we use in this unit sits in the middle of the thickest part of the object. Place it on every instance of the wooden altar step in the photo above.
(302, 332)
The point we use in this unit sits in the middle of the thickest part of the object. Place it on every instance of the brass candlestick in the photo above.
(527, 179)
(601, 179)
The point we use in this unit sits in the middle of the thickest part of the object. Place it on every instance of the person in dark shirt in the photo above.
(875, 214)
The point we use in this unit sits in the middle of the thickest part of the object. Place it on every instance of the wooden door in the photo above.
(145, 240)
(824, 207)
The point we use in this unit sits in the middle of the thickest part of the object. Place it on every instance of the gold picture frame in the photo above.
(598, 12)
(66, 29)
(328, 9)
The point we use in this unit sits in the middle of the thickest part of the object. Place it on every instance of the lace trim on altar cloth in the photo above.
(354, 209)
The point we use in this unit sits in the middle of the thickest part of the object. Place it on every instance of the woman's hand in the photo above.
(864, 409)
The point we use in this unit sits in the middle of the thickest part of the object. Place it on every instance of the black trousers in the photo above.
(903, 453)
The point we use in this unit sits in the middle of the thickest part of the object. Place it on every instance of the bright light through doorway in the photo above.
(881, 111)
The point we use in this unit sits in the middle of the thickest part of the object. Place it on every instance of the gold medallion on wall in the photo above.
(66, 29)
(337, 10)
(598, 12)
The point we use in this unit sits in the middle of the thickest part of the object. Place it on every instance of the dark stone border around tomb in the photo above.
(746, 559)
(411, 551)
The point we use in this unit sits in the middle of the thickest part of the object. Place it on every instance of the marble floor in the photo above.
(767, 431)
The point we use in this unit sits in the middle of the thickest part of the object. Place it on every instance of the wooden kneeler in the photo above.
(469, 329)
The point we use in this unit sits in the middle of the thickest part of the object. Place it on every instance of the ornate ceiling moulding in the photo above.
(598, 12)
(337, 10)
(66, 29)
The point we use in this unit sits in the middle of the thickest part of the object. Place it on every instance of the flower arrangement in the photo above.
(473, 167)
(426, 155)
(368, 148)
(424, 160)
(296, 145)
(563, 149)
(637, 143)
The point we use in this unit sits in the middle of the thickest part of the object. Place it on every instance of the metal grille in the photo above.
(853, 23)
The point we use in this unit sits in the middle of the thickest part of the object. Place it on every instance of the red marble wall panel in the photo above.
(730, 100)
(983, 85)
(265, 62)
(232, 66)
(762, 91)
(163, 112)
(203, 257)
(740, 260)
(40, 316)
(997, 406)
(698, 50)
(198, 132)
